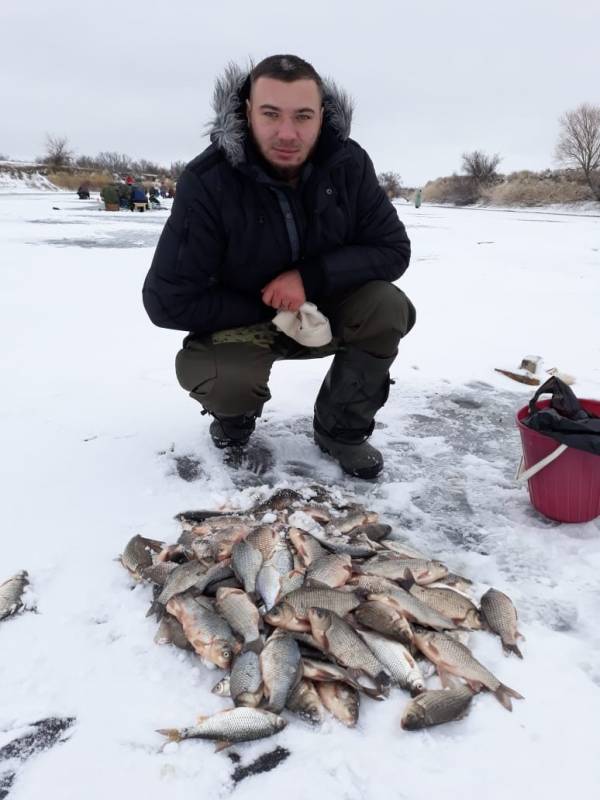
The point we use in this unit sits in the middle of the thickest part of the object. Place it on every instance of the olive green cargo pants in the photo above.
(228, 371)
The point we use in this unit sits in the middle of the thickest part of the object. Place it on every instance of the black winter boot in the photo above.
(232, 431)
(355, 388)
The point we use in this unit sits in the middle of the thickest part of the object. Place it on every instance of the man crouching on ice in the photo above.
(282, 208)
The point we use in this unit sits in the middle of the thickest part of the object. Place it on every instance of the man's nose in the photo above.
(287, 128)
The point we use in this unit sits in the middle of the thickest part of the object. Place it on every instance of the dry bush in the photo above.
(534, 189)
(458, 190)
(391, 183)
(481, 167)
(73, 180)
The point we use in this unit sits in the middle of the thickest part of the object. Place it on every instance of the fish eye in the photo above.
(226, 653)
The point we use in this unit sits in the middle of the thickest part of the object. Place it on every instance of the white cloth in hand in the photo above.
(307, 325)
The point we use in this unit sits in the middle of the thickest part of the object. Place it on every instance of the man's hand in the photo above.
(285, 292)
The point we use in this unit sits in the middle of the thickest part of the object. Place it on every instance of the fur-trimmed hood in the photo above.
(229, 129)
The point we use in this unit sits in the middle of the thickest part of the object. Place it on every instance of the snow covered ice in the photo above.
(99, 443)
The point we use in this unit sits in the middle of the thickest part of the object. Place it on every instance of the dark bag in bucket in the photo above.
(564, 420)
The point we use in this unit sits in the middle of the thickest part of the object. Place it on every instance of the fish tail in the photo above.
(511, 648)
(383, 683)
(504, 693)
(172, 734)
(255, 646)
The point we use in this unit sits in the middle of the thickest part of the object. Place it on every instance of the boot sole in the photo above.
(366, 474)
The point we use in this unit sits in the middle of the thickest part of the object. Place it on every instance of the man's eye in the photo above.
(303, 117)
(270, 114)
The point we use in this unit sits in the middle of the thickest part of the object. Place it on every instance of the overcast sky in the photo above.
(430, 80)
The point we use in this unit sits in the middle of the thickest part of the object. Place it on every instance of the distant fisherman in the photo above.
(283, 208)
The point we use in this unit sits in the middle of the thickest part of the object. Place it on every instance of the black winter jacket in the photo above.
(234, 226)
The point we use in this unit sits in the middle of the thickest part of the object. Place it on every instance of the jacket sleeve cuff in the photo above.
(313, 278)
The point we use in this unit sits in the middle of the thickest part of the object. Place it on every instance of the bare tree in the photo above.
(89, 162)
(480, 166)
(58, 153)
(114, 162)
(579, 143)
(176, 169)
(391, 183)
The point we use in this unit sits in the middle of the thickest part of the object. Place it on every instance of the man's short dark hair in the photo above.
(286, 68)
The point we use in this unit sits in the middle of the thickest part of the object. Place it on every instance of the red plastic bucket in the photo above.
(568, 489)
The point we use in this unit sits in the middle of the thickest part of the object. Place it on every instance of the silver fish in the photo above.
(424, 572)
(452, 658)
(435, 707)
(11, 593)
(223, 687)
(331, 570)
(402, 667)
(240, 612)
(209, 634)
(414, 610)
(341, 641)
(268, 585)
(386, 619)
(170, 631)
(246, 561)
(304, 700)
(158, 573)
(246, 683)
(182, 578)
(307, 547)
(501, 617)
(340, 700)
(138, 554)
(229, 727)
(323, 597)
(453, 605)
(355, 518)
(281, 667)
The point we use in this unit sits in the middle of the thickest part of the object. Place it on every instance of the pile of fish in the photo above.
(308, 604)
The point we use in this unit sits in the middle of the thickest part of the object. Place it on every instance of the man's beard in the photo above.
(284, 173)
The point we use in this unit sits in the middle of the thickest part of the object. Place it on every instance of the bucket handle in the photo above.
(525, 474)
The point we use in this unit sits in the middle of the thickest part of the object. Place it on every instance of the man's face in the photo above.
(285, 120)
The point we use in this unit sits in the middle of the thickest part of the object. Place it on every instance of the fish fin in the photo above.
(155, 608)
(475, 686)
(407, 581)
(504, 693)
(200, 718)
(520, 636)
(254, 646)
(374, 694)
(445, 678)
(172, 734)
(382, 682)
(222, 745)
(511, 648)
